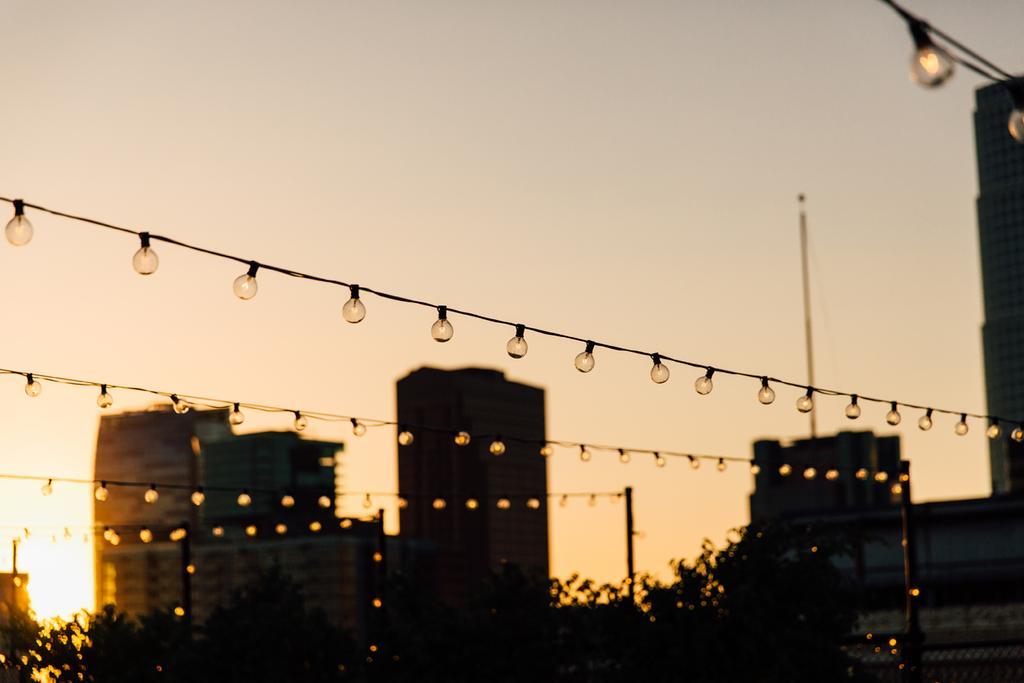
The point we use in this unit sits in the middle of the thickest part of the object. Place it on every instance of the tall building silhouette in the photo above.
(470, 542)
(1001, 238)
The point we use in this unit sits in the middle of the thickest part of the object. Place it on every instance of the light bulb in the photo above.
(832, 474)
(281, 529)
(930, 65)
(145, 261)
(721, 465)
(504, 504)
(19, 229)
(755, 469)
(546, 451)
(584, 361)
(104, 400)
(287, 501)
(151, 495)
(250, 530)
(893, 416)
(659, 371)
(145, 535)
(245, 284)
(300, 422)
(402, 503)
(236, 416)
(442, 330)
(367, 501)
(659, 461)
(563, 501)
(439, 504)
(533, 503)
(925, 423)
(115, 538)
(1016, 124)
(462, 439)
(102, 492)
(624, 456)
(592, 500)
(353, 311)
(517, 346)
(960, 428)
(810, 473)
(405, 437)
(32, 387)
(694, 462)
(703, 384)
(1018, 434)
(853, 410)
(994, 430)
(47, 488)
(862, 473)
(358, 428)
(180, 406)
(218, 531)
(584, 453)
(881, 477)
(324, 501)
(244, 499)
(766, 395)
(198, 497)
(497, 447)
(785, 469)
(315, 526)
(805, 403)
(472, 504)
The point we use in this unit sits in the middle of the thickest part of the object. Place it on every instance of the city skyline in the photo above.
(352, 155)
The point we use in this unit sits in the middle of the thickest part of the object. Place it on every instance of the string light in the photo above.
(439, 504)
(32, 387)
(694, 462)
(244, 499)
(546, 451)
(659, 371)
(592, 500)
(315, 526)
(659, 461)
(245, 285)
(180, 406)
(721, 465)
(198, 496)
(832, 474)
(930, 65)
(881, 477)
(563, 501)
(236, 416)
(497, 446)
(755, 469)
(472, 504)
(145, 261)
(19, 229)
(623, 456)
(1018, 434)
(862, 473)
(353, 311)
(151, 495)
(785, 469)
(504, 504)
(367, 501)
(584, 453)
(805, 403)
(893, 416)
(218, 531)
(442, 330)
(994, 430)
(405, 437)
(358, 428)
(925, 423)
(324, 501)
(853, 409)
(533, 503)
(250, 530)
(703, 384)
(47, 488)
(101, 493)
(766, 395)
(145, 535)
(960, 428)
(287, 501)
(300, 422)
(810, 473)
(517, 346)
(281, 528)
(584, 360)
(1015, 124)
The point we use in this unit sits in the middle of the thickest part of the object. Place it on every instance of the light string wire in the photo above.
(520, 328)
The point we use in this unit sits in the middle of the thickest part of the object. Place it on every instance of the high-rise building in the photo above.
(1001, 238)
(472, 541)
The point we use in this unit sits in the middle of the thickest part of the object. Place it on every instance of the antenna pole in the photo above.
(807, 306)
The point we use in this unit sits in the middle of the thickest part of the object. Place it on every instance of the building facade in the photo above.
(1001, 239)
(470, 542)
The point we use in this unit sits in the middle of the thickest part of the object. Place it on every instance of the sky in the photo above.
(619, 171)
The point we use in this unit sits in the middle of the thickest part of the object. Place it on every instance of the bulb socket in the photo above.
(520, 330)
(253, 269)
(656, 358)
(442, 312)
(354, 291)
(19, 207)
(710, 372)
(144, 239)
(590, 347)
(919, 32)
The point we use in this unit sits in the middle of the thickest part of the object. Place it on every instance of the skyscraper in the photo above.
(1001, 238)
(471, 541)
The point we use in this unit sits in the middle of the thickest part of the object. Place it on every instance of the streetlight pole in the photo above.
(630, 533)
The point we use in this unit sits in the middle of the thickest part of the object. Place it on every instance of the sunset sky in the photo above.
(619, 171)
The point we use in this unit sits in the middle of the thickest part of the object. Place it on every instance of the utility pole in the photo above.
(186, 575)
(630, 533)
(912, 641)
(807, 307)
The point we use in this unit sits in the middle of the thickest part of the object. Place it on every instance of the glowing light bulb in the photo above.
(180, 407)
(442, 330)
(893, 416)
(994, 430)
(244, 499)
(659, 461)
(930, 65)
(358, 428)
(785, 469)
(659, 371)
(584, 453)
(832, 474)
(145, 535)
(810, 473)
(497, 447)
(151, 495)
(287, 501)
(472, 504)
(546, 451)
(402, 503)
(766, 395)
(19, 229)
(624, 457)
(853, 410)
(925, 423)
(236, 416)
(250, 530)
(198, 497)
(504, 504)
(439, 504)
(245, 284)
(694, 462)
(721, 465)
(960, 428)
(300, 422)
(862, 474)
(218, 531)
(563, 501)
(324, 501)
(1018, 434)
(517, 346)
(367, 501)
(353, 311)
(805, 403)
(584, 361)
(32, 387)
(47, 488)
(405, 437)
(592, 500)
(281, 529)
(145, 260)
(462, 439)
(703, 384)
(315, 526)
(533, 503)
(102, 492)
(1015, 123)
(755, 469)
(881, 477)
